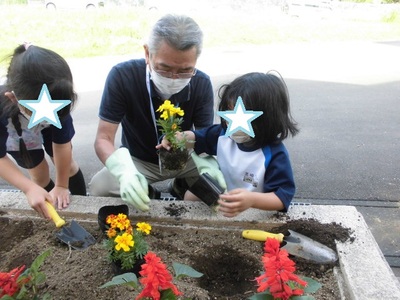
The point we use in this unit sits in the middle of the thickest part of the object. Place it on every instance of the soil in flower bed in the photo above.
(229, 262)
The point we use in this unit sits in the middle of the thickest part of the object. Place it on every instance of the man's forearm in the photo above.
(104, 148)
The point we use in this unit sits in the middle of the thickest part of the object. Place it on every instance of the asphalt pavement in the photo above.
(346, 99)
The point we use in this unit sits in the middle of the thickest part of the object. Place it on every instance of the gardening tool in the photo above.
(296, 244)
(74, 235)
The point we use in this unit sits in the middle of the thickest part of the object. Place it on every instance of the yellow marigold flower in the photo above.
(144, 227)
(174, 126)
(164, 115)
(111, 232)
(124, 242)
(166, 106)
(178, 111)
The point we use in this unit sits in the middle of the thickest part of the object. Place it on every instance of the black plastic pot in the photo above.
(117, 269)
(105, 211)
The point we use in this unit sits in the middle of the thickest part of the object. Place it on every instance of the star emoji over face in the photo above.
(239, 118)
(44, 108)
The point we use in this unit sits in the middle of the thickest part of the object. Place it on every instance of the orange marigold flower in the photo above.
(111, 232)
(155, 278)
(122, 222)
(129, 230)
(110, 219)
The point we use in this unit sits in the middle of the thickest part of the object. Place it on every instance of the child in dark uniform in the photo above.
(31, 67)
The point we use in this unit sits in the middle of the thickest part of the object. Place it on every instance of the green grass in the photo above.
(112, 31)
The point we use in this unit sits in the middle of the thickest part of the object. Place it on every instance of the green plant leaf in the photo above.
(22, 291)
(46, 296)
(40, 278)
(312, 285)
(303, 298)
(262, 296)
(123, 279)
(37, 263)
(182, 270)
(167, 295)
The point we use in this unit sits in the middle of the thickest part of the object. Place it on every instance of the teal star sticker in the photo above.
(44, 108)
(239, 118)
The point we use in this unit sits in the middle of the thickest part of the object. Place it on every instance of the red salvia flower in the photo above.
(155, 278)
(279, 271)
(8, 282)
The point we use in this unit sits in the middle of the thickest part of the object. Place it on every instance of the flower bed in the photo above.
(229, 263)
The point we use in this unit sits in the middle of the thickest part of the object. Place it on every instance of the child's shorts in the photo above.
(35, 157)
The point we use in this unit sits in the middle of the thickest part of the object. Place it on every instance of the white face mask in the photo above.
(240, 137)
(28, 117)
(168, 86)
(40, 125)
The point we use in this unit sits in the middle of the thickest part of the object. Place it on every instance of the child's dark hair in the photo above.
(261, 92)
(31, 67)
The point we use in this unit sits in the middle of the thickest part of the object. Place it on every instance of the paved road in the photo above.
(346, 99)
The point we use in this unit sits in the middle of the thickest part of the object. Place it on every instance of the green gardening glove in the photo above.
(133, 185)
(209, 165)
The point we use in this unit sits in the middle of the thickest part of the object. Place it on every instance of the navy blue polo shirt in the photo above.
(126, 100)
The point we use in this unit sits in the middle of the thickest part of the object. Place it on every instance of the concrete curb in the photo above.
(364, 273)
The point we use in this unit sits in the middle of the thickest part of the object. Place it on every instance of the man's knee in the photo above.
(103, 184)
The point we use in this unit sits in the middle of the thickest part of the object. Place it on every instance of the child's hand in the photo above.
(36, 198)
(189, 135)
(235, 202)
(167, 144)
(61, 196)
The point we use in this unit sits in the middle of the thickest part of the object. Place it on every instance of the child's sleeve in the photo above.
(279, 176)
(207, 139)
(65, 133)
(3, 137)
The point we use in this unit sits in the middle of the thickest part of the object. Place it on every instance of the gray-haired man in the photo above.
(133, 91)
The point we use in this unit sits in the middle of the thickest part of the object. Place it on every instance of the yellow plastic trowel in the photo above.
(296, 244)
(73, 235)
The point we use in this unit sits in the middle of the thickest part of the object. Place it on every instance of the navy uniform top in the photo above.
(126, 100)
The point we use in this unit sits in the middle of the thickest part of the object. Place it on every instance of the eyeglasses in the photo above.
(167, 74)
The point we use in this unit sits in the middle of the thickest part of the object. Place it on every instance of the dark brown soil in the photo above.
(173, 159)
(229, 262)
